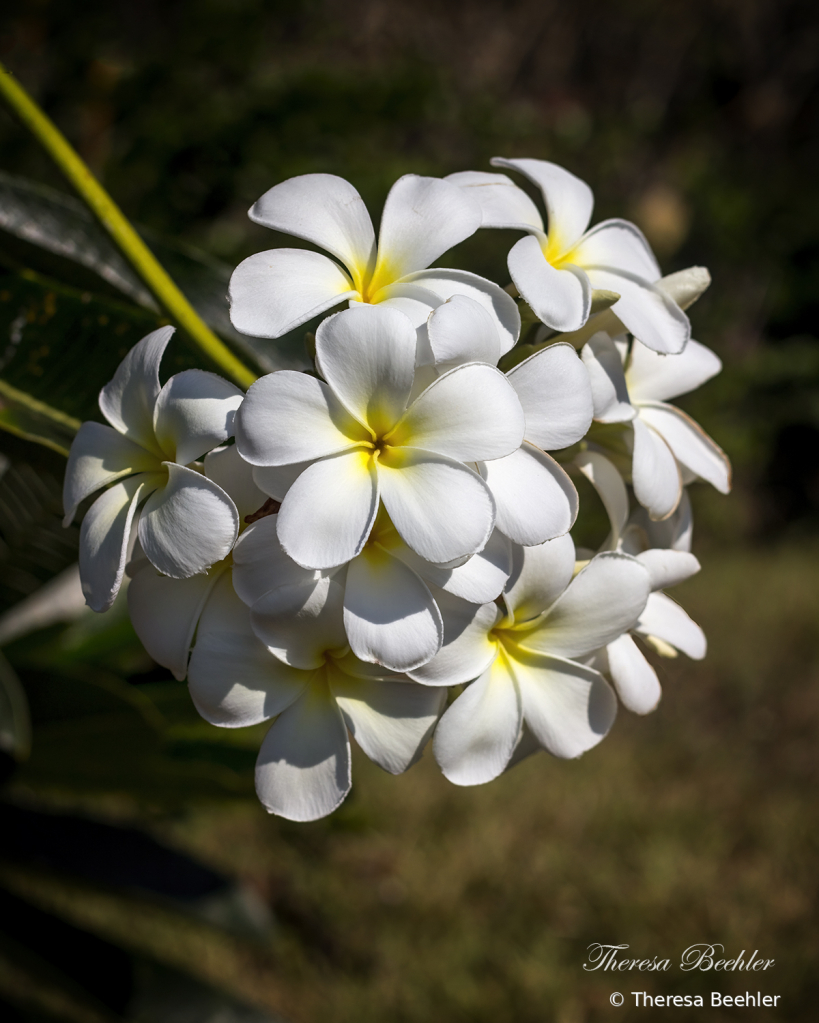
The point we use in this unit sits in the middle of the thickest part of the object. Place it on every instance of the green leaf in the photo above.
(34, 547)
(68, 235)
(56, 235)
(25, 416)
(95, 734)
(65, 344)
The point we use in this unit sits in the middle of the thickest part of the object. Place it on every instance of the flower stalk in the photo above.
(113, 220)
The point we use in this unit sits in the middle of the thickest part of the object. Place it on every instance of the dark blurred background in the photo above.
(695, 119)
(698, 121)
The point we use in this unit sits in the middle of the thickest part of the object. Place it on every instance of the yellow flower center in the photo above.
(370, 282)
(554, 250)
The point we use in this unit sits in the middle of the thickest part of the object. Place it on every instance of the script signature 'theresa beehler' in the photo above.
(696, 957)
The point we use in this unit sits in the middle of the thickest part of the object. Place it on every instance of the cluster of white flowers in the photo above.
(344, 550)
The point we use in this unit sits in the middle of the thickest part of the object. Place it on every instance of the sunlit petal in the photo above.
(273, 292)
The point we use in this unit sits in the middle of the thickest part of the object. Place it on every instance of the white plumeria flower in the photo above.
(663, 625)
(668, 448)
(675, 533)
(275, 291)
(303, 769)
(556, 272)
(188, 522)
(165, 612)
(534, 497)
(683, 287)
(526, 660)
(390, 616)
(366, 445)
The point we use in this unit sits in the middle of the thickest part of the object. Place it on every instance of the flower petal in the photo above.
(390, 721)
(569, 201)
(104, 536)
(98, 456)
(478, 580)
(461, 330)
(654, 472)
(526, 747)
(165, 612)
(634, 679)
(477, 735)
(675, 532)
(469, 413)
(301, 622)
(194, 413)
(534, 498)
(323, 209)
(367, 356)
(303, 770)
(611, 489)
(686, 286)
(413, 300)
(422, 218)
(645, 311)
(655, 377)
(328, 513)
(665, 619)
(441, 509)
(555, 394)
(499, 304)
(187, 525)
(567, 706)
(608, 382)
(228, 470)
(260, 564)
(468, 649)
(502, 203)
(539, 575)
(389, 613)
(692, 446)
(667, 568)
(272, 292)
(617, 245)
(560, 298)
(233, 680)
(276, 480)
(290, 417)
(603, 601)
(127, 402)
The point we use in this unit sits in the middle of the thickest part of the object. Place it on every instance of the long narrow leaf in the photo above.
(62, 345)
(68, 238)
(25, 416)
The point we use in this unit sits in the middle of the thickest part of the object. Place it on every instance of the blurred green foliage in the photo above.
(696, 120)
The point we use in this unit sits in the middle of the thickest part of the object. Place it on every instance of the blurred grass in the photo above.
(418, 900)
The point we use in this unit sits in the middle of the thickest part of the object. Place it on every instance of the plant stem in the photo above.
(113, 220)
